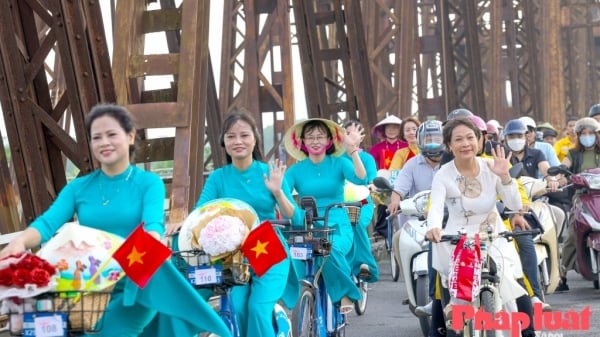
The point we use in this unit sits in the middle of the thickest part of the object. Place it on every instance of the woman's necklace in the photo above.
(105, 200)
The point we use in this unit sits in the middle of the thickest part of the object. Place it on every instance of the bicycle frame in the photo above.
(327, 319)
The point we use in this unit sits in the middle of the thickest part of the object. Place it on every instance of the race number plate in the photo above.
(205, 275)
(45, 324)
(301, 251)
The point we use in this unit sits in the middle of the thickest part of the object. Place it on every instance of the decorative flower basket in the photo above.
(77, 311)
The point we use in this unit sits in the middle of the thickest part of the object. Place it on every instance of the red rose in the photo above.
(6, 277)
(21, 277)
(40, 277)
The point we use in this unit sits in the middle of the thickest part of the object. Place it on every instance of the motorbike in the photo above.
(585, 217)
(550, 219)
(414, 251)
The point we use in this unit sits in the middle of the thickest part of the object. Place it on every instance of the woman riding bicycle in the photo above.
(117, 198)
(263, 187)
(321, 173)
(468, 186)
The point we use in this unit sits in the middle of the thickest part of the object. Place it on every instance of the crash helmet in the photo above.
(528, 121)
(460, 112)
(594, 110)
(515, 127)
(430, 140)
(479, 123)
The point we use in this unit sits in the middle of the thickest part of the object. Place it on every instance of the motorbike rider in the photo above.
(585, 155)
(534, 163)
(533, 142)
(416, 176)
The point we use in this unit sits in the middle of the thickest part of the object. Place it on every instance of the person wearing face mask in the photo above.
(585, 155)
(416, 176)
(533, 142)
(534, 161)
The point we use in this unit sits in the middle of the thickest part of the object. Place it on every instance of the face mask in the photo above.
(516, 145)
(587, 141)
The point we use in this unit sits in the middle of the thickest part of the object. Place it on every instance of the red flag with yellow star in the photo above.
(141, 255)
(263, 248)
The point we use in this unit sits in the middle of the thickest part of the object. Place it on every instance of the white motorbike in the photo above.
(551, 219)
(413, 251)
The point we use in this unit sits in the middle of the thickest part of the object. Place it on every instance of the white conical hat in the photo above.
(379, 127)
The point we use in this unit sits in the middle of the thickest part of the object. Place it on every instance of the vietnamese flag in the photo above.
(141, 255)
(263, 248)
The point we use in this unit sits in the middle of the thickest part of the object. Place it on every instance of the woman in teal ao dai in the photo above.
(116, 198)
(362, 261)
(263, 187)
(321, 173)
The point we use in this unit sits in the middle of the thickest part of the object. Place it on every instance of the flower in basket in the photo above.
(218, 227)
(26, 275)
(223, 234)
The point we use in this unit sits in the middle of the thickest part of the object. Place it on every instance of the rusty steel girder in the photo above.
(54, 67)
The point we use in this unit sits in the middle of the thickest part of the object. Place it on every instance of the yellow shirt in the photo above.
(402, 156)
(562, 147)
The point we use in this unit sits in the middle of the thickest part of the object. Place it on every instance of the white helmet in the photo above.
(528, 121)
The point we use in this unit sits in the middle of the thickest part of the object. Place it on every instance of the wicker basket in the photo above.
(353, 214)
(82, 315)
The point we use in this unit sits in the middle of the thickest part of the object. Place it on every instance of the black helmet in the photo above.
(430, 139)
(460, 112)
(594, 110)
(515, 127)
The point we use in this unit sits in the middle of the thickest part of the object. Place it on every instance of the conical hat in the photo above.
(379, 128)
(292, 139)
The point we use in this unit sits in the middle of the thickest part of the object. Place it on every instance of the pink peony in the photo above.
(223, 234)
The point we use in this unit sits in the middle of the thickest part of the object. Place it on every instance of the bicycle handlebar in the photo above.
(483, 236)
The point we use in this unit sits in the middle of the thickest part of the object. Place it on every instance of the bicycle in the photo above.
(488, 298)
(198, 269)
(315, 315)
(363, 286)
(196, 266)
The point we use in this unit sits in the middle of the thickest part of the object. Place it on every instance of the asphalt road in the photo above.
(387, 317)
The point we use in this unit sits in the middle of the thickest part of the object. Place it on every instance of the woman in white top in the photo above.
(469, 187)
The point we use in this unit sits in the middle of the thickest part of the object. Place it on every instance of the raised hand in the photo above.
(275, 178)
(353, 136)
(501, 164)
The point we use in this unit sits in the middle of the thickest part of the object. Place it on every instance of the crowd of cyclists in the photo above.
(464, 160)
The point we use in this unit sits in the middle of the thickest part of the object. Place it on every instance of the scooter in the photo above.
(585, 219)
(413, 250)
(550, 219)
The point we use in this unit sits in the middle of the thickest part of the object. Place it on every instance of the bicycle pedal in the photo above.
(406, 301)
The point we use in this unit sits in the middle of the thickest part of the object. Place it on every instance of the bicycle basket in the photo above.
(81, 316)
(353, 214)
(196, 266)
(306, 243)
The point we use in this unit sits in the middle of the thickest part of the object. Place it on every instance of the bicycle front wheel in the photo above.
(361, 305)
(304, 315)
